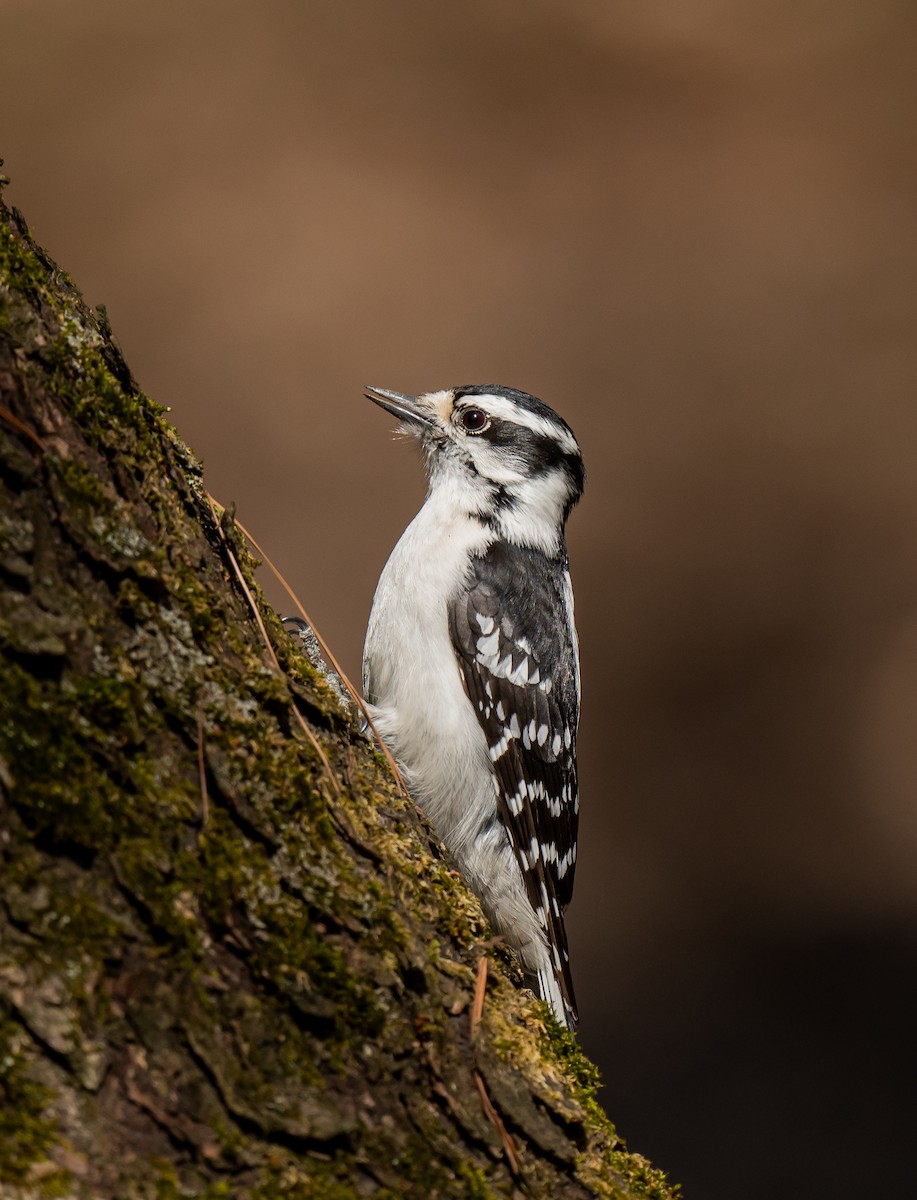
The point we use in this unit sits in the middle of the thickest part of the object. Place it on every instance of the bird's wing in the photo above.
(513, 634)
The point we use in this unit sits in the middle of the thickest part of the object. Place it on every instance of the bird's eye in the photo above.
(474, 420)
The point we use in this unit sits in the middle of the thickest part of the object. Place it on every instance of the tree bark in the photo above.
(233, 959)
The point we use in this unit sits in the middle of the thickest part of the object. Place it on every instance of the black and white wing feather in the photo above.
(513, 633)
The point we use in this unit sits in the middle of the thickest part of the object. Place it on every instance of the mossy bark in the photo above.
(225, 969)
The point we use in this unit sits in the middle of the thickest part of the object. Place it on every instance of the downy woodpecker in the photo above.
(471, 665)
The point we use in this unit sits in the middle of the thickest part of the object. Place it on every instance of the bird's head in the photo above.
(509, 459)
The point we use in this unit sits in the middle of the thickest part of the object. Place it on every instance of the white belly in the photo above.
(418, 703)
(410, 672)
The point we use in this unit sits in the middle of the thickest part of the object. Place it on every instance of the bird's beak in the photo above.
(405, 408)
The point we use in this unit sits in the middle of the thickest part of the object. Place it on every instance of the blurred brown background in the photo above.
(691, 226)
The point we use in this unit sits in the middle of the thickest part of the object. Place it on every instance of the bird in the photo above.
(471, 662)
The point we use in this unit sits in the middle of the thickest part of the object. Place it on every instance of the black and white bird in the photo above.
(471, 665)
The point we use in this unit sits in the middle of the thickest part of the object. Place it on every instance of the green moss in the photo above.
(58, 784)
(478, 1187)
(82, 926)
(23, 273)
(322, 1182)
(101, 520)
(562, 1047)
(27, 1132)
(81, 365)
(167, 1185)
(638, 1176)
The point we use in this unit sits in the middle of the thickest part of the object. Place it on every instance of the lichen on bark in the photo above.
(234, 961)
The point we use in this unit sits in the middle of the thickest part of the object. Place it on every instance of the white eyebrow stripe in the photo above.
(499, 406)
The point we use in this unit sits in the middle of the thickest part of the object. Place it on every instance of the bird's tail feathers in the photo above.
(549, 990)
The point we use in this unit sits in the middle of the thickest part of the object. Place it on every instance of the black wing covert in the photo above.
(513, 635)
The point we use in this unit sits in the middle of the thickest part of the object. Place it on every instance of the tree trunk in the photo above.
(233, 959)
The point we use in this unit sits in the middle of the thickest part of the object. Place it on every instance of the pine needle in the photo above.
(256, 612)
